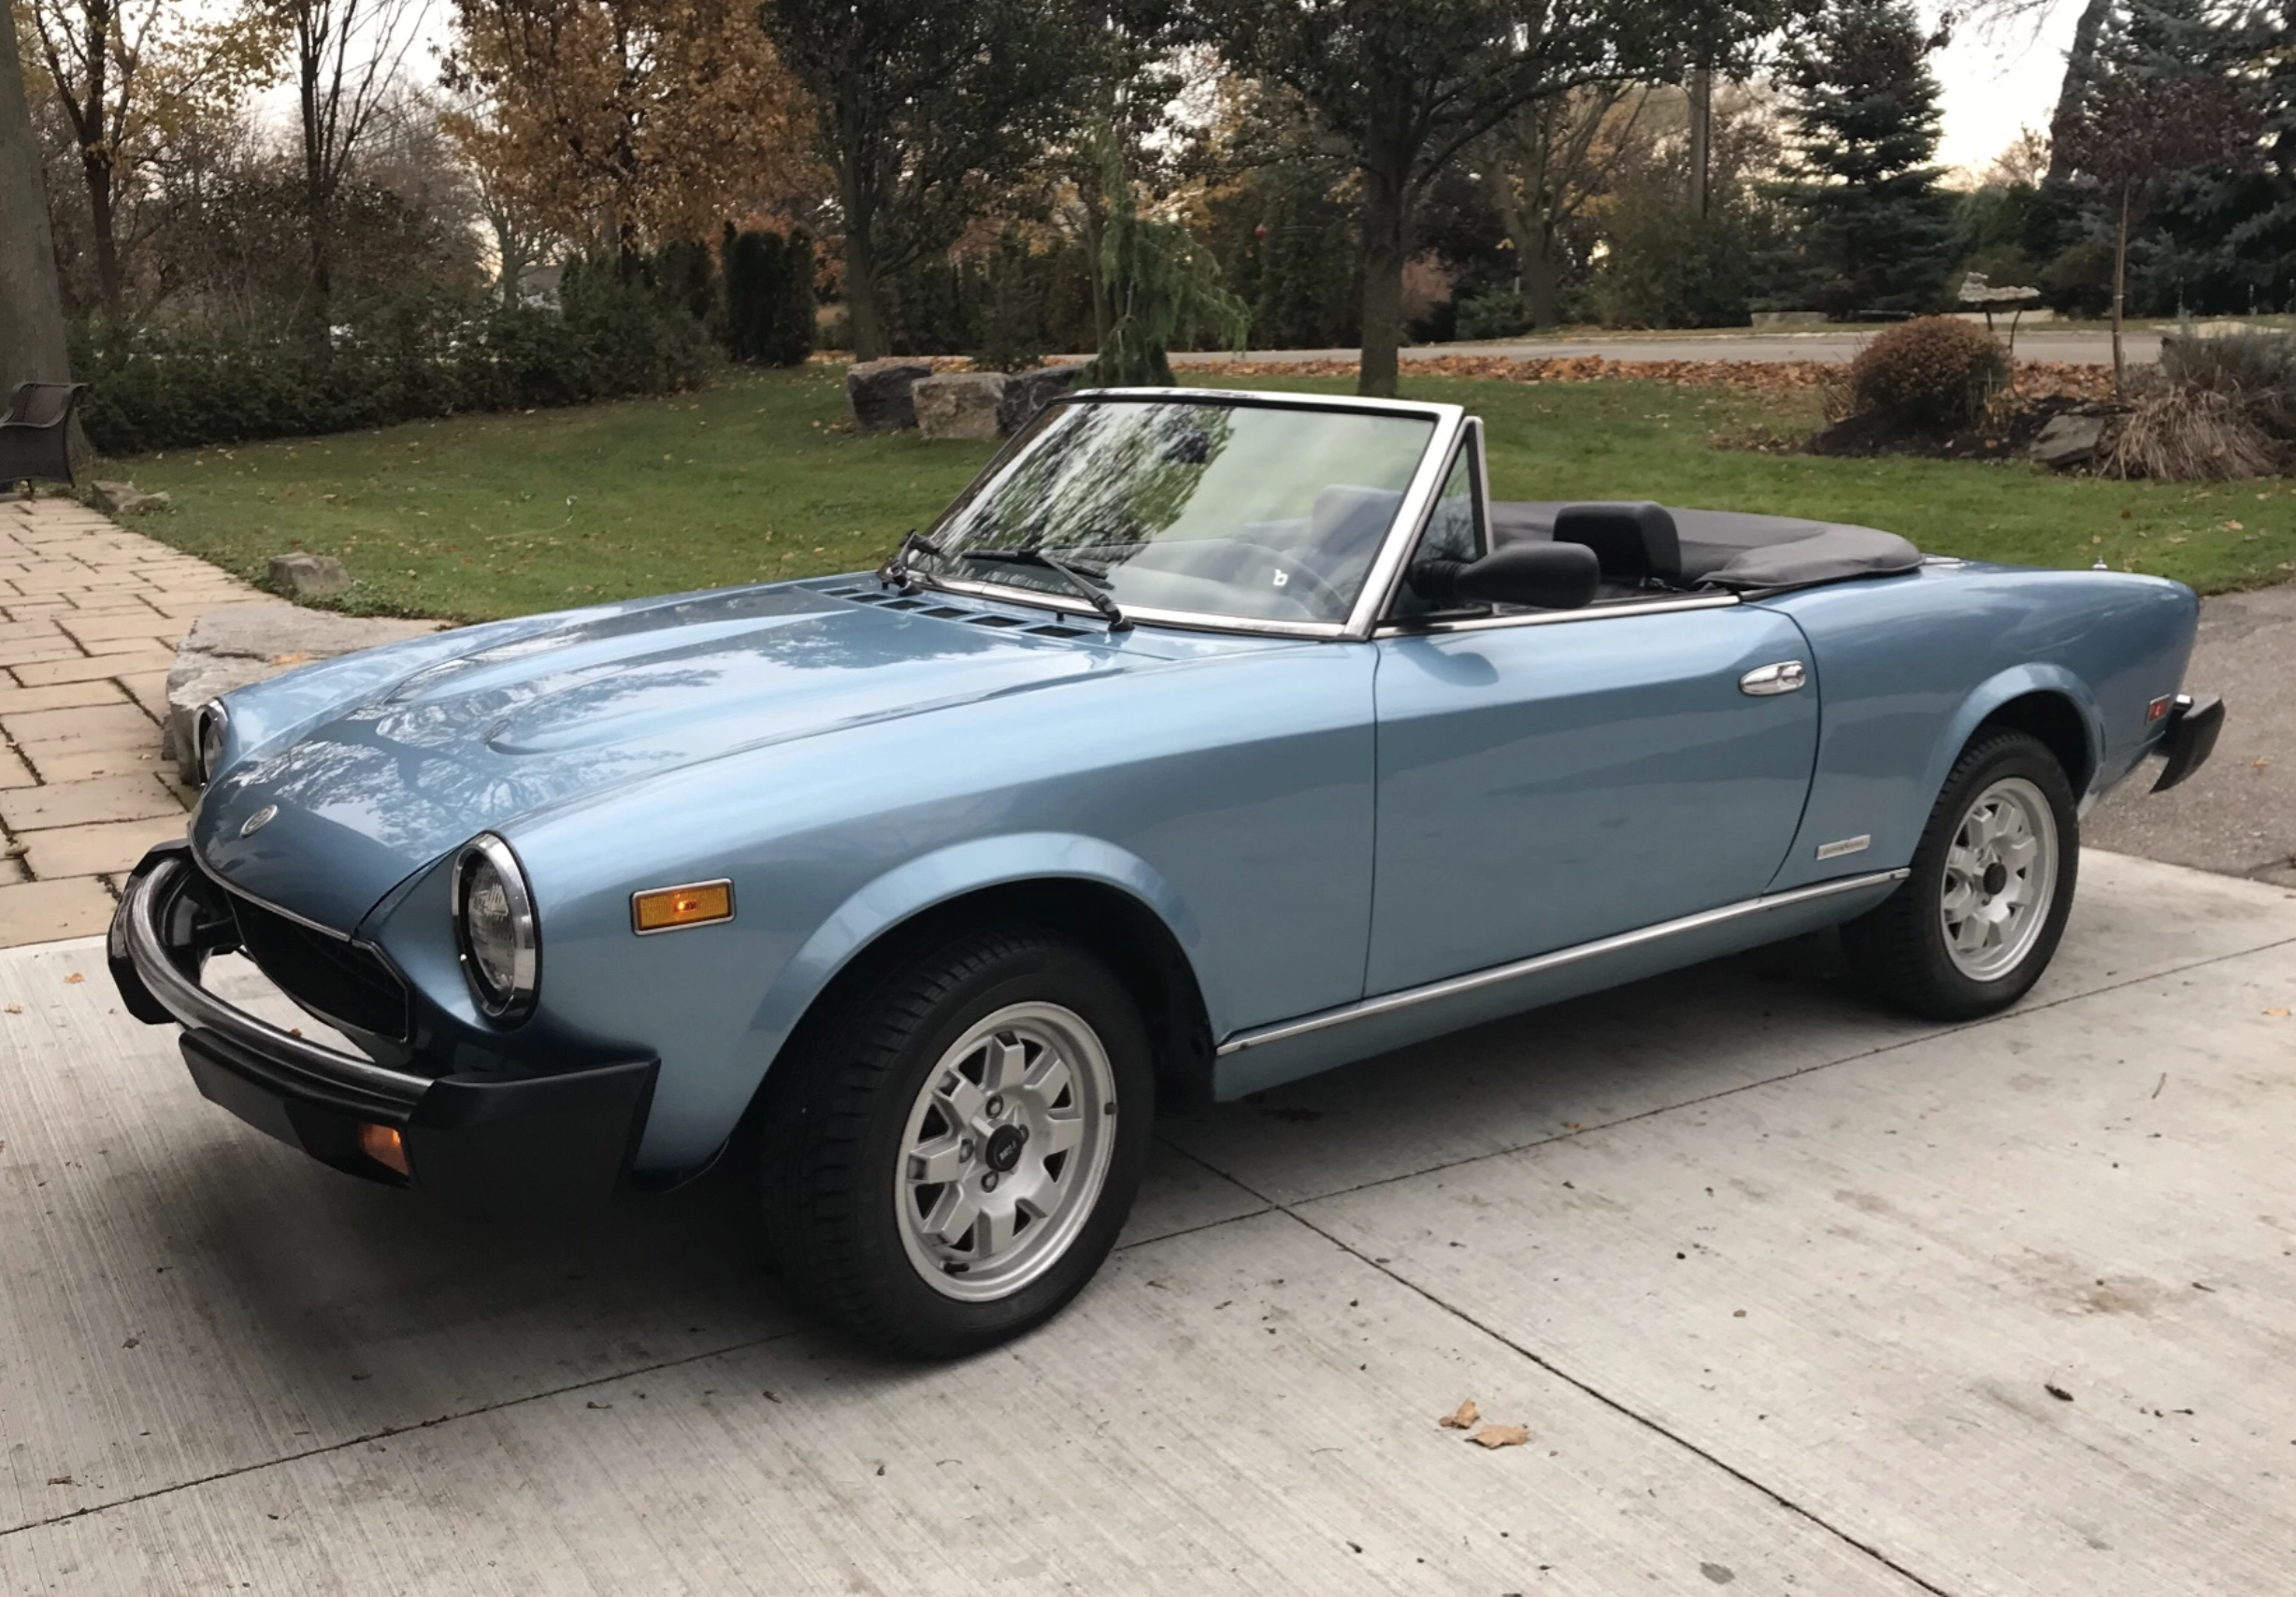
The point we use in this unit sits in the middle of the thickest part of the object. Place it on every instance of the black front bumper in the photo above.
(483, 1143)
(2194, 721)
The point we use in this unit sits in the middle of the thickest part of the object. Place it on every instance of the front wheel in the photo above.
(1980, 916)
(957, 1147)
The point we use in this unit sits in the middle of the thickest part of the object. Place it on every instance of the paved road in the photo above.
(1793, 1298)
(2081, 347)
(2238, 813)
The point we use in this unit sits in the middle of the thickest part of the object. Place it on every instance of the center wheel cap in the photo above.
(1004, 1148)
(1996, 878)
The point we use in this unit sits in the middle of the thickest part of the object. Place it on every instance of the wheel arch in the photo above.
(1103, 898)
(2046, 702)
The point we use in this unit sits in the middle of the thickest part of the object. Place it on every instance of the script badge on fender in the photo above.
(259, 820)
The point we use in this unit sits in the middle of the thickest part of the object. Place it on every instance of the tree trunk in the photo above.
(2120, 279)
(31, 305)
(1095, 228)
(314, 178)
(2080, 67)
(1384, 222)
(1701, 136)
(1542, 281)
(865, 311)
(95, 166)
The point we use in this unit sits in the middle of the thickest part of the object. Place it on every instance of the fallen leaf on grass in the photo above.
(2056, 1391)
(74, 978)
(1463, 1417)
(1501, 1436)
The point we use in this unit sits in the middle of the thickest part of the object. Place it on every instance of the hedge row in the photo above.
(177, 386)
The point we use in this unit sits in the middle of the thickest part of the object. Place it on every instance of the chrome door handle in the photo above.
(1785, 677)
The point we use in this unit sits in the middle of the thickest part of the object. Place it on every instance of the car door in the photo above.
(1548, 778)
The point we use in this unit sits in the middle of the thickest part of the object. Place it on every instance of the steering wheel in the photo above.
(1294, 572)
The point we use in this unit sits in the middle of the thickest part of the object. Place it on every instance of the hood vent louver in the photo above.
(884, 599)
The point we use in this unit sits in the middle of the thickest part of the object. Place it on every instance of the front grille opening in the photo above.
(341, 981)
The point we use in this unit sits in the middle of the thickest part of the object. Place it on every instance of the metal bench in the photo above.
(36, 434)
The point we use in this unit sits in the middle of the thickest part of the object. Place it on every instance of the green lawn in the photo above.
(753, 479)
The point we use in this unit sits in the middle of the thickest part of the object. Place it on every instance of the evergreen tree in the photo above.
(2166, 96)
(1875, 230)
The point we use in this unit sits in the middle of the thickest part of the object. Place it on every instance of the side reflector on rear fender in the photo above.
(667, 909)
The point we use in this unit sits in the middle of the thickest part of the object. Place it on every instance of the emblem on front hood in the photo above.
(259, 820)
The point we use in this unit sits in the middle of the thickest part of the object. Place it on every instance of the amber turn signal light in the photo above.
(384, 1146)
(667, 909)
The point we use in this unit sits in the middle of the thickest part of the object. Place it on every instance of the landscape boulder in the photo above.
(961, 405)
(2070, 441)
(1026, 393)
(125, 499)
(309, 576)
(237, 644)
(877, 394)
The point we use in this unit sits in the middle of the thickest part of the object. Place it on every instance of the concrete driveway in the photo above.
(1792, 1298)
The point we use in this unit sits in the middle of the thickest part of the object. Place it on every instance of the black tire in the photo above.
(839, 1119)
(1899, 951)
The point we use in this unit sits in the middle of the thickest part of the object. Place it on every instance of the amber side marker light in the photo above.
(667, 909)
(384, 1146)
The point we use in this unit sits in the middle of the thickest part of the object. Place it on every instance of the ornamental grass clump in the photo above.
(2184, 433)
(1932, 374)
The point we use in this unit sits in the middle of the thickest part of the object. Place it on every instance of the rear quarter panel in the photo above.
(1908, 668)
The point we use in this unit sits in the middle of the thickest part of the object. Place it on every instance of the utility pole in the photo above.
(31, 308)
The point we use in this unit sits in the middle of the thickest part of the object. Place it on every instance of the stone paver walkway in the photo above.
(93, 613)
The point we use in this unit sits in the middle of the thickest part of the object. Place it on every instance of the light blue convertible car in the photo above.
(1208, 740)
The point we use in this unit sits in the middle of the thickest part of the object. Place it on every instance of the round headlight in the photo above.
(208, 731)
(493, 919)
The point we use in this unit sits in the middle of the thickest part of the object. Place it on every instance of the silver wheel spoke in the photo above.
(1062, 1132)
(1008, 1062)
(992, 1233)
(939, 1160)
(961, 1101)
(952, 1219)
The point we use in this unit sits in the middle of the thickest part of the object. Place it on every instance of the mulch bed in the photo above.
(2006, 432)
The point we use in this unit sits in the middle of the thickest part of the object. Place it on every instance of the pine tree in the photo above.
(1876, 231)
(2165, 97)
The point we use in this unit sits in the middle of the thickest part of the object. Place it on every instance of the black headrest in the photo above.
(1633, 538)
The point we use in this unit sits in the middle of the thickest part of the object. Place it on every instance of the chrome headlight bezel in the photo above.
(507, 997)
(210, 729)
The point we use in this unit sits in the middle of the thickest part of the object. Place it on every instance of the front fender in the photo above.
(919, 884)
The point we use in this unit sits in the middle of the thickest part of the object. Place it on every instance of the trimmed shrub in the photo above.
(769, 297)
(178, 386)
(1494, 313)
(1931, 373)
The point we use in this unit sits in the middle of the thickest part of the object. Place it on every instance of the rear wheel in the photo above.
(1980, 916)
(952, 1154)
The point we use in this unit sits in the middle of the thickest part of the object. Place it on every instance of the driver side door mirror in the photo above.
(1535, 576)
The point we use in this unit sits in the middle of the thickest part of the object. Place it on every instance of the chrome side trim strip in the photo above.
(1497, 973)
(1598, 612)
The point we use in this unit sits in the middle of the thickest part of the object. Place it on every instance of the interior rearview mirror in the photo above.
(1538, 576)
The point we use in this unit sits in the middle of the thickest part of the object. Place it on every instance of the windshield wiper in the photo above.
(1093, 593)
(895, 570)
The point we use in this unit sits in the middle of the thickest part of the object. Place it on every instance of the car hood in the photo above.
(412, 769)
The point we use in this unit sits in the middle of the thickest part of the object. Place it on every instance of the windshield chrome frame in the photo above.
(1395, 546)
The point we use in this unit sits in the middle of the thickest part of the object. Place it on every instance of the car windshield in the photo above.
(1258, 512)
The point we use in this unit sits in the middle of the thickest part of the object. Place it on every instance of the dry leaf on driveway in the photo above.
(1465, 1415)
(74, 978)
(1501, 1436)
(2277, 1013)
